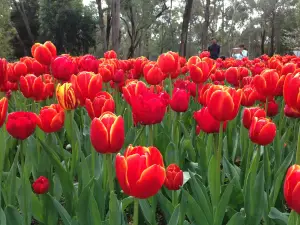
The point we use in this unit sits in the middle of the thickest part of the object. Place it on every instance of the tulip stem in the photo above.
(298, 149)
(23, 176)
(72, 142)
(174, 198)
(150, 136)
(136, 212)
(266, 105)
(109, 171)
(2, 156)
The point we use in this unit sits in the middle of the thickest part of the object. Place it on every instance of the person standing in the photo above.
(214, 49)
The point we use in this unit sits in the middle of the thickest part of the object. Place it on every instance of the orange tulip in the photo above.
(140, 172)
(107, 133)
(66, 97)
(168, 62)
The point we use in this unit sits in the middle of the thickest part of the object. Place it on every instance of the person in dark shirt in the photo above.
(214, 49)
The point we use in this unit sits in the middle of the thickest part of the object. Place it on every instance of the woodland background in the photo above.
(139, 27)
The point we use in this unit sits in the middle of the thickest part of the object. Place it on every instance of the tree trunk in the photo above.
(271, 52)
(263, 38)
(146, 51)
(206, 25)
(115, 24)
(102, 27)
(185, 27)
(20, 8)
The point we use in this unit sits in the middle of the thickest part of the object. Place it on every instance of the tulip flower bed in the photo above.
(89, 141)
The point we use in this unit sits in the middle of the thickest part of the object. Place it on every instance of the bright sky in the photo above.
(86, 2)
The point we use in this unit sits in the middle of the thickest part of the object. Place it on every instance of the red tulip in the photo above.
(249, 96)
(174, 177)
(118, 76)
(3, 110)
(292, 188)
(103, 102)
(86, 85)
(290, 112)
(149, 108)
(107, 133)
(63, 68)
(291, 91)
(140, 172)
(153, 74)
(110, 54)
(20, 69)
(288, 68)
(51, 118)
(235, 75)
(88, 63)
(106, 71)
(262, 131)
(41, 185)
(43, 53)
(133, 88)
(3, 73)
(33, 87)
(21, 125)
(224, 104)
(199, 71)
(180, 100)
(266, 83)
(272, 108)
(249, 113)
(206, 122)
(168, 62)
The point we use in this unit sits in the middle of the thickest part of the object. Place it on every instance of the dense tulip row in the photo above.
(74, 97)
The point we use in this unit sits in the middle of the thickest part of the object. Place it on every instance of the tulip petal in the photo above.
(99, 136)
(150, 182)
(121, 173)
(136, 164)
(117, 135)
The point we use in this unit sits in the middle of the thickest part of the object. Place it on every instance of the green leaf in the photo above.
(66, 218)
(194, 211)
(115, 210)
(13, 217)
(146, 209)
(126, 202)
(214, 180)
(237, 219)
(279, 217)
(170, 153)
(220, 212)
(65, 179)
(175, 216)
(11, 182)
(293, 218)
(200, 194)
(165, 205)
(37, 208)
(94, 211)
(2, 217)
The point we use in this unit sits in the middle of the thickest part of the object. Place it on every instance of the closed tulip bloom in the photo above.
(168, 62)
(291, 188)
(86, 85)
(153, 74)
(289, 112)
(20, 69)
(106, 71)
(118, 76)
(51, 118)
(43, 53)
(235, 75)
(180, 100)
(103, 102)
(40, 185)
(224, 104)
(3, 73)
(65, 95)
(33, 87)
(133, 88)
(272, 108)
(21, 125)
(266, 83)
(110, 54)
(174, 177)
(262, 131)
(107, 133)
(88, 63)
(63, 68)
(291, 91)
(249, 96)
(288, 68)
(140, 172)
(3, 110)
(206, 122)
(250, 113)
(149, 108)
(199, 72)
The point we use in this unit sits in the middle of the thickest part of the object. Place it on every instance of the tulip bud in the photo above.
(180, 100)
(41, 185)
(174, 177)
(262, 131)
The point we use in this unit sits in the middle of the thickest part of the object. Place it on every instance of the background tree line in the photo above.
(139, 27)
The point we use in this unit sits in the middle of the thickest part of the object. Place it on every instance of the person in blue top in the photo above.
(214, 49)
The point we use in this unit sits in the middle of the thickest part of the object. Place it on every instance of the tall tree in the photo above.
(206, 25)
(185, 26)
(102, 25)
(115, 24)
